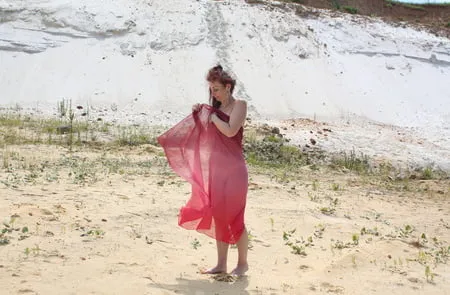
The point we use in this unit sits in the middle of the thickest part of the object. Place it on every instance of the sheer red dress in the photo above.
(215, 167)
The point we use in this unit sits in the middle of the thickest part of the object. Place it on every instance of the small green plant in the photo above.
(334, 202)
(427, 173)
(313, 198)
(195, 244)
(3, 240)
(335, 186)
(315, 185)
(273, 138)
(8, 230)
(331, 210)
(271, 223)
(328, 210)
(36, 250)
(340, 245)
(298, 246)
(422, 240)
(320, 229)
(298, 249)
(374, 231)
(93, 233)
(406, 231)
(350, 9)
(96, 232)
(448, 25)
(428, 274)
(422, 257)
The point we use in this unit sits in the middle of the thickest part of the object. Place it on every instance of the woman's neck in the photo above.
(227, 103)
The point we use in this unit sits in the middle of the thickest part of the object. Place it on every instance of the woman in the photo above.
(205, 148)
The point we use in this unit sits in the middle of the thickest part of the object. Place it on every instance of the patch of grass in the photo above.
(328, 210)
(368, 231)
(132, 136)
(298, 247)
(427, 173)
(254, 2)
(335, 187)
(7, 120)
(351, 10)
(340, 245)
(331, 210)
(352, 162)
(82, 170)
(70, 128)
(336, 4)
(10, 230)
(272, 151)
(413, 6)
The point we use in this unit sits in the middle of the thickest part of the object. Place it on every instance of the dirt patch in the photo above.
(435, 18)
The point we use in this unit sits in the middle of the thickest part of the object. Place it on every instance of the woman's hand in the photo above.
(196, 107)
(213, 118)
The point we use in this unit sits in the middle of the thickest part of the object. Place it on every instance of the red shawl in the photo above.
(214, 165)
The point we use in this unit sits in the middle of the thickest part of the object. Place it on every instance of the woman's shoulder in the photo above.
(241, 103)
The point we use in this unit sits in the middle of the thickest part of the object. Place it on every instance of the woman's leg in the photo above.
(222, 255)
(242, 245)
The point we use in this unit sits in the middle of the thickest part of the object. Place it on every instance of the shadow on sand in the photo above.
(213, 285)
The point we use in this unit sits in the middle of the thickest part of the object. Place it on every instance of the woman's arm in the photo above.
(237, 119)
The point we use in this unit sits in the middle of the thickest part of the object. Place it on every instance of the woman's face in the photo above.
(219, 91)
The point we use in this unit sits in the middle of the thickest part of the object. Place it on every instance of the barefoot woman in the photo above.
(206, 149)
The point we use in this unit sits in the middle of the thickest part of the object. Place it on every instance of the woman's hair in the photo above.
(217, 74)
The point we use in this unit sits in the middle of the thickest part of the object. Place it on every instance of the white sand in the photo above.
(145, 61)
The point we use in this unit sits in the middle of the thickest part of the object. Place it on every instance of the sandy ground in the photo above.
(106, 223)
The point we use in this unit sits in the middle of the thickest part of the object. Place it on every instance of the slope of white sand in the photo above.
(144, 62)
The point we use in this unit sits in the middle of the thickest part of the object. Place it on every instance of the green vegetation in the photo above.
(350, 9)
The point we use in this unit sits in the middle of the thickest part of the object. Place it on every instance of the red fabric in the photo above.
(215, 167)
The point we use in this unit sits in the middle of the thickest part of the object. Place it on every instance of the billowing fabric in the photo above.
(215, 167)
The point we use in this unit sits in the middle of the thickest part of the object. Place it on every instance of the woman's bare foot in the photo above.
(240, 270)
(215, 270)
